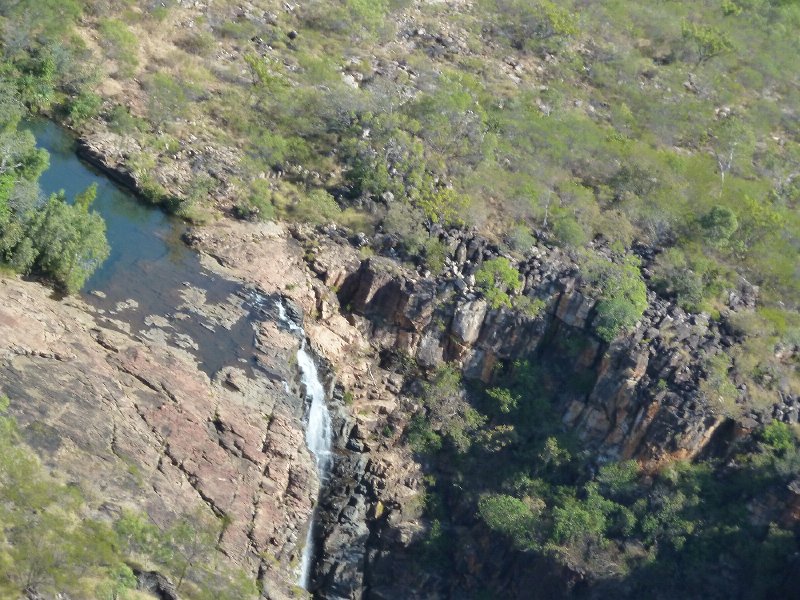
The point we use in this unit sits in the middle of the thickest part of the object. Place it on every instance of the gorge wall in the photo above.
(639, 397)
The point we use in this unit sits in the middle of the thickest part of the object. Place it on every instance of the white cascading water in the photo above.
(319, 433)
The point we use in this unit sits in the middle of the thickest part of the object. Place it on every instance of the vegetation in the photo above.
(622, 295)
(49, 545)
(684, 529)
(62, 241)
(496, 277)
(604, 125)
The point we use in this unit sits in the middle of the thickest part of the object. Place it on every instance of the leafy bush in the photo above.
(69, 241)
(496, 277)
(448, 413)
(258, 204)
(509, 516)
(317, 206)
(623, 295)
(444, 206)
(719, 224)
(84, 107)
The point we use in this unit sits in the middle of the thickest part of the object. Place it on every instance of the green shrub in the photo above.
(444, 206)
(719, 224)
(316, 206)
(509, 516)
(121, 121)
(421, 437)
(623, 295)
(778, 437)
(496, 277)
(84, 107)
(70, 242)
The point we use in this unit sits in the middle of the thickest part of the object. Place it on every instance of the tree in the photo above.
(707, 42)
(535, 24)
(731, 141)
(719, 224)
(496, 277)
(190, 544)
(509, 516)
(70, 241)
(448, 411)
(622, 298)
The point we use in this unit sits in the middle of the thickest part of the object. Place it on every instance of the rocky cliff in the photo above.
(165, 438)
(638, 397)
(641, 396)
(138, 426)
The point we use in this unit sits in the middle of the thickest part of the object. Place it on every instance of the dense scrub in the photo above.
(672, 125)
(500, 456)
(63, 241)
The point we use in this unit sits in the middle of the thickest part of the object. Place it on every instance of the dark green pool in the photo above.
(148, 264)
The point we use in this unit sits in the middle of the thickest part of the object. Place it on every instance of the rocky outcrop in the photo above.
(373, 479)
(108, 153)
(641, 397)
(137, 425)
(638, 397)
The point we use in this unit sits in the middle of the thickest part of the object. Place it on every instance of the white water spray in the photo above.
(319, 433)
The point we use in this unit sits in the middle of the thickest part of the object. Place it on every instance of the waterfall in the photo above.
(319, 433)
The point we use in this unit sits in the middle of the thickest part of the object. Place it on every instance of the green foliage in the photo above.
(623, 295)
(576, 519)
(317, 206)
(258, 204)
(368, 12)
(84, 107)
(444, 206)
(497, 277)
(534, 25)
(619, 479)
(706, 42)
(504, 398)
(719, 224)
(188, 550)
(121, 121)
(717, 386)
(531, 307)
(778, 437)
(510, 516)
(47, 544)
(448, 413)
(421, 437)
(69, 241)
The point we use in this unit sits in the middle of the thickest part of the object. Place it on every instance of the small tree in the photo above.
(707, 42)
(623, 295)
(719, 224)
(496, 277)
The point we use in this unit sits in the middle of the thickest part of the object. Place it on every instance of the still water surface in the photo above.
(148, 264)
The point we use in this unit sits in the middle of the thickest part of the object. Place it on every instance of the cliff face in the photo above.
(638, 398)
(138, 426)
(641, 398)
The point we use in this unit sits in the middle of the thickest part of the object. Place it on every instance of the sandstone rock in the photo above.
(137, 425)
